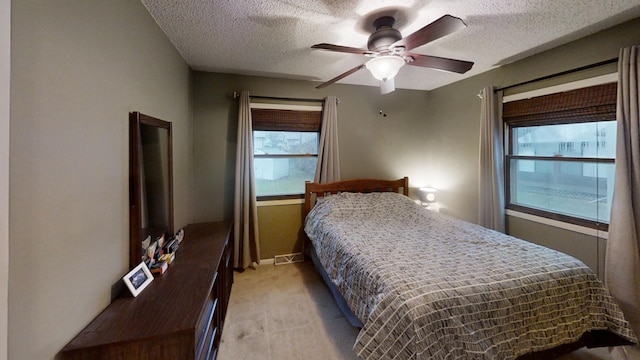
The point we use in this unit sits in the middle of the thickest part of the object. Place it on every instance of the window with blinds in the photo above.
(561, 154)
(285, 150)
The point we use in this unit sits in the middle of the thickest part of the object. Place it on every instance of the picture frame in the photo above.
(138, 279)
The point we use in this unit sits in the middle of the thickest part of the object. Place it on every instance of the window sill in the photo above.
(280, 202)
(559, 224)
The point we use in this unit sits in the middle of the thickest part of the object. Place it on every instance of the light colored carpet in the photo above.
(286, 312)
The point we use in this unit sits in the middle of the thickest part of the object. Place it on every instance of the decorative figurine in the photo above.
(151, 252)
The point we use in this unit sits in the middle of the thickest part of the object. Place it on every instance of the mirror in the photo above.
(150, 182)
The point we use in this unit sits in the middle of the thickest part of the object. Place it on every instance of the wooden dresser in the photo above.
(180, 315)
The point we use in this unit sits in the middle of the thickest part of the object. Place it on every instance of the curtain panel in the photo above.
(491, 162)
(622, 265)
(245, 214)
(328, 168)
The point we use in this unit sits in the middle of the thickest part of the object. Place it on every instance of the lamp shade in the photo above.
(387, 86)
(385, 67)
(428, 195)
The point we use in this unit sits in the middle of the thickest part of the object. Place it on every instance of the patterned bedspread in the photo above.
(429, 286)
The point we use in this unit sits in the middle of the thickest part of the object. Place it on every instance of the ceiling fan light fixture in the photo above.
(385, 67)
(388, 50)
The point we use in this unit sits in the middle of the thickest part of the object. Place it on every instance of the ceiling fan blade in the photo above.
(344, 49)
(443, 26)
(340, 76)
(434, 62)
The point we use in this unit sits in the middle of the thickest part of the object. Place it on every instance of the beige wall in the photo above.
(78, 69)
(589, 249)
(5, 71)
(370, 145)
(454, 114)
(280, 230)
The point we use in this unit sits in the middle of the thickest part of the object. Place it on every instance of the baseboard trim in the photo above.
(267, 261)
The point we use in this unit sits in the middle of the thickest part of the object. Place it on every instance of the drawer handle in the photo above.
(206, 328)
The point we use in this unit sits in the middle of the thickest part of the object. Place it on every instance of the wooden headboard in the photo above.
(314, 190)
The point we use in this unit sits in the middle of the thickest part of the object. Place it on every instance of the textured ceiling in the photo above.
(273, 37)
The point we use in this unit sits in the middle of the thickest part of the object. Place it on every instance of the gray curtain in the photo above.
(491, 171)
(622, 265)
(245, 213)
(328, 168)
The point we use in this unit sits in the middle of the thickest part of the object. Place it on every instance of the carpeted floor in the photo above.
(286, 312)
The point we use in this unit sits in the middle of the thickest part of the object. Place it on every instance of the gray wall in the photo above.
(454, 114)
(5, 71)
(78, 69)
(370, 145)
(432, 137)
(589, 249)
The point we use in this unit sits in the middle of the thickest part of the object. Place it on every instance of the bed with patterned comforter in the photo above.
(429, 286)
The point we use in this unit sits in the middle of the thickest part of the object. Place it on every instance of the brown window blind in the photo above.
(286, 120)
(594, 103)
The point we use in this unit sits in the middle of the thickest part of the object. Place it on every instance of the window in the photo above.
(285, 150)
(561, 154)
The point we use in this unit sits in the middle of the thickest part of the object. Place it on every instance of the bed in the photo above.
(424, 285)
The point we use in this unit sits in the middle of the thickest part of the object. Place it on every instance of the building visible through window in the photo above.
(283, 161)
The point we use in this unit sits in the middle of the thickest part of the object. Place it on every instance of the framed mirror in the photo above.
(150, 182)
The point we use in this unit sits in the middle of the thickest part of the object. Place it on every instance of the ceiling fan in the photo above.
(390, 51)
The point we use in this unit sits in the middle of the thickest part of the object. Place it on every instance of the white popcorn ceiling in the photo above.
(273, 38)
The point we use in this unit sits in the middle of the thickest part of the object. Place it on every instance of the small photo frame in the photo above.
(138, 279)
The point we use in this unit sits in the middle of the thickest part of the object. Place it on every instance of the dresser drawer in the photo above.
(211, 349)
(207, 326)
